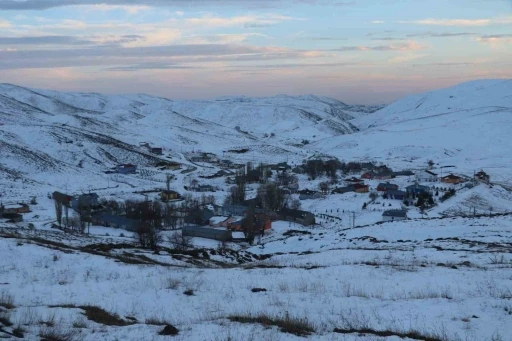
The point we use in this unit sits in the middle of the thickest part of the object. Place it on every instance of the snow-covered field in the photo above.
(447, 279)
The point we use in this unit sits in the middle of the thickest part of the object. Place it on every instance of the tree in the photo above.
(324, 187)
(430, 164)
(180, 242)
(249, 224)
(58, 211)
(271, 197)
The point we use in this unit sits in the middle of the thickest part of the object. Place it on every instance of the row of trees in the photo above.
(329, 168)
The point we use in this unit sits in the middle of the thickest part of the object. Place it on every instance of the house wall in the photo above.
(450, 181)
(386, 218)
(209, 233)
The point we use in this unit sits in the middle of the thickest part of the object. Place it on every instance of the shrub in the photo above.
(6, 300)
(189, 292)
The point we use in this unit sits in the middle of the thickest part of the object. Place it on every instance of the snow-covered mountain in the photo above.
(43, 133)
(467, 126)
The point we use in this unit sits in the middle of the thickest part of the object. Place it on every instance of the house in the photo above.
(386, 186)
(395, 194)
(417, 189)
(343, 190)
(220, 221)
(384, 176)
(392, 215)
(12, 217)
(157, 151)
(126, 169)
(205, 188)
(307, 194)
(19, 208)
(353, 181)
(237, 236)
(168, 165)
(64, 199)
(403, 173)
(262, 223)
(302, 217)
(299, 170)
(169, 195)
(232, 210)
(426, 176)
(115, 221)
(368, 175)
(483, 176)
(207, 232)
(225, 163)
(361, 188)
(199, 217)
(451, 179)
(88, 200)
(282, 166)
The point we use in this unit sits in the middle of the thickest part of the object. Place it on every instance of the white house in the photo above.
(426, 176)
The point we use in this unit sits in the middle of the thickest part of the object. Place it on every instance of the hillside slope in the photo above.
(467, 126)
(46, 135)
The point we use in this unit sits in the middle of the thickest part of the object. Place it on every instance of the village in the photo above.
(242, 202)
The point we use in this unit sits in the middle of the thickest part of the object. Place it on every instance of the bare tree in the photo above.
(58, 211)
(66, 214)
(249, 224)
(430, 164)
(180, 242)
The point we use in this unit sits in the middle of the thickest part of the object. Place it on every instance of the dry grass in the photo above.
(101, 316)
(54, 334)
(293, 325)
(6, 300)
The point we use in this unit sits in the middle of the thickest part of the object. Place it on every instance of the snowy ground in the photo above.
(447, 278)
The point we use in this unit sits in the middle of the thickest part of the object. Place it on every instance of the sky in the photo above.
(358, 51)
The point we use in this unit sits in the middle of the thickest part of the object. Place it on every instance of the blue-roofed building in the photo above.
(417, 189)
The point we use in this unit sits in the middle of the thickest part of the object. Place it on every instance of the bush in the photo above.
(189, 292)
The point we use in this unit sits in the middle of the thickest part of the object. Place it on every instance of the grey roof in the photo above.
(418, 187)
(117, 220)
(395, 192)
(387, 185)
(395, 213)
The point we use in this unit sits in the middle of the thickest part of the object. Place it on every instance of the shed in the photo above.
(392, 215)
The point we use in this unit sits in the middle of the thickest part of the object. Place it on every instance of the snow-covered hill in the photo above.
(467, 126)
(47, 131)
